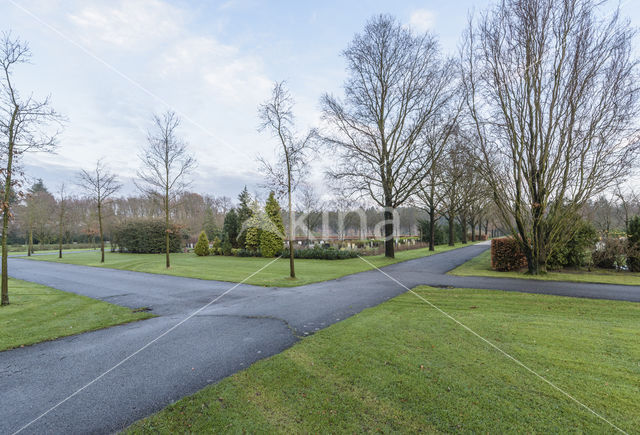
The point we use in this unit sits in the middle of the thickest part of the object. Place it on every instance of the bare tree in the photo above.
(553, 96)
(276, 115)
(397, 83)
(166, 163)
(23, 125)
(310, 205)
(99, 184)
(62, 210)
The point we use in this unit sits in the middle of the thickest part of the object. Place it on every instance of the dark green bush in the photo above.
(226, 246)
(576, 252)
(633, 245)
(247, 253)
(145, 237)
(320, 253)
(440, 235)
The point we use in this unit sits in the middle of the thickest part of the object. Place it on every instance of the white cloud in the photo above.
(217, 68)
(422, 20)
(128, 24)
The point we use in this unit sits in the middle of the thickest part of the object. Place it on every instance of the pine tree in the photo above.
(202, 246)
(271, 239)
(209, 224)
(231, 228)
(244, 213)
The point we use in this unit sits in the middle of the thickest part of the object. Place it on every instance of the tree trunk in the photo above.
(389, 248)
(292, 230)
(473, 230)
(166, 231)
(5, 220)
(463, 225)
(452, 234)
(101, 233)
(30, 243)
(432, 226)
(60, 241)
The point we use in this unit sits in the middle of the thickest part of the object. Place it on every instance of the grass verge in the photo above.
(39, 313)
(481, 266)
(404, 367)
(235, 269)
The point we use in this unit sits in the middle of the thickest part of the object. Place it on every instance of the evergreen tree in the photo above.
(271, 239)
(202, 246)
(244, 213)
(253, 227)
(209, 225)
(231, 228)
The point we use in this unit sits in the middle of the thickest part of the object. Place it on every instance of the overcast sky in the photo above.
(109, 65)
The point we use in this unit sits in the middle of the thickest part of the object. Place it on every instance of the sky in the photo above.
(110, 65)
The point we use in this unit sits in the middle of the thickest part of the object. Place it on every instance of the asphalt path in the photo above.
(245, 325)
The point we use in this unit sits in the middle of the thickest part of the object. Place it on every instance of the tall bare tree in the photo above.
(100, 184)
(23, 128)
(397, 83)
(553, 95)
(166, 163)
(276, 115)
(62, 212)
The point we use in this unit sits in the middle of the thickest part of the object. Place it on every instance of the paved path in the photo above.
(247, 324)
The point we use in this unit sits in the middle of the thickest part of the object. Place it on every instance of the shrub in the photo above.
(576, 251)
(633, 242)
(145, 237)
(247, 253)
(271, 240)
(226, 246)
(202, 246)
(506, 254)
(610, 253)
(440, 236)
(215, 247)
(320, 253)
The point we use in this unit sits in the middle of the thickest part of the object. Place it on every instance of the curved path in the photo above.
(245, 325)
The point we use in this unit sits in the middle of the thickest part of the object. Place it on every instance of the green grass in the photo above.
(403, 367)
(481, 266)
(236, 269)
(38, 313)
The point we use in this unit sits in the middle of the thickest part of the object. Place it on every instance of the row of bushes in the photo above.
(54, 246)
(584, 249)
(320, 253)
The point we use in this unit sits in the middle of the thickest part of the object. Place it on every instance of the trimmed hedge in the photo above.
(319, 253)
(145, 237)
(506, 255)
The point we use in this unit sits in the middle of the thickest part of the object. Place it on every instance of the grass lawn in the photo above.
(236, 269)
(481, 266)
(39, 313)
(404, 367)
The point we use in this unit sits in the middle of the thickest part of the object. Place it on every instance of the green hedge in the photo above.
(319, 253)
(145, 237)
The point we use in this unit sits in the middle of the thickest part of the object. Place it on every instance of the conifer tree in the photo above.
(272, 237)
(202, 246)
